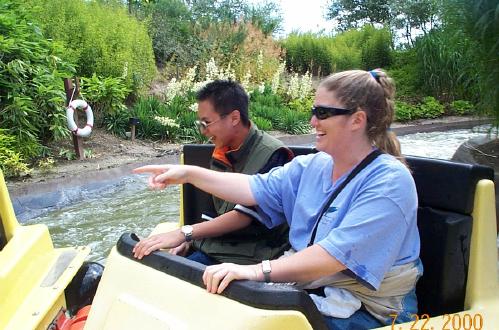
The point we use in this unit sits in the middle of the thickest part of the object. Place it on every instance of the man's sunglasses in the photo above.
(203, 125)
(325, 112)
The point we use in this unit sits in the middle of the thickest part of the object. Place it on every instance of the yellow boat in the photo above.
(459, 289)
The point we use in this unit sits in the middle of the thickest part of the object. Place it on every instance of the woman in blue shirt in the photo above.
(363, 247)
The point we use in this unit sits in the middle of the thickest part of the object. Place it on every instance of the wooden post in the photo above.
(71, 94)
(132, 136)
(133, 123)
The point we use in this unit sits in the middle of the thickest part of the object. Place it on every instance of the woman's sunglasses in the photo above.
(325, 112)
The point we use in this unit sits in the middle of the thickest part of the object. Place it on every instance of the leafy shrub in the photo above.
(404, 72)
(461, 107)
(368, 48)
(172, 31)
(262, 123)
(430, 108)
(308, 52)
(404, 111)
(99, 37)
(11, 162)
(445, 65)
(377, 48)
(106, 95)
(31, 92)
(294, 122)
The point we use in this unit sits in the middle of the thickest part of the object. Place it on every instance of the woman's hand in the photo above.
(168, 240)
(163, 175)
(217, 277)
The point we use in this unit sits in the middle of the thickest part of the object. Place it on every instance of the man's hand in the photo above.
(168, 240)
(181, 250)
(163, 175)
(217, 277)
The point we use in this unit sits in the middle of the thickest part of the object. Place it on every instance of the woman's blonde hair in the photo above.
(372, 92)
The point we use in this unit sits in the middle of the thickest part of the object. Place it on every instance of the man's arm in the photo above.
(225, 223)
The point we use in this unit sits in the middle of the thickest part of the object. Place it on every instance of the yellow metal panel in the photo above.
(482, 291)
(6, 210)
(130, 293)
(482, 283)
(33, 275)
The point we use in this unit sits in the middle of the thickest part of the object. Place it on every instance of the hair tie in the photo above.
(375, 75)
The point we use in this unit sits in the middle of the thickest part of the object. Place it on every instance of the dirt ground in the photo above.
(104, 151)
(107, 151)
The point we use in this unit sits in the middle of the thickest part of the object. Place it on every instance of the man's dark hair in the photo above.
(226, 96)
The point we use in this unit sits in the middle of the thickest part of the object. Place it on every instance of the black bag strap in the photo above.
(363, 164)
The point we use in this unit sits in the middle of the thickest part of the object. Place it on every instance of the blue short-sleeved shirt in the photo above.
(370, 226)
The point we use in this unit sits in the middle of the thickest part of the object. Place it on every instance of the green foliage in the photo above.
(461, 107)
(308, 52)
(11, 162)
(268, 108)
(405, 72)
(354, 14)
(172, 31)
(294, 122)
(430, 108)
(31, 86)
(404, 111)
(67, 154)
(262, 123)
(445, 65)
(480, 22)
(99, 38)
(158, 120)
(368, 48)
(427, 109)
(46, 164)
(408, 15)
(376, 49)
(106, 95)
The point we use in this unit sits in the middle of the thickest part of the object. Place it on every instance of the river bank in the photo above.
(114, 158)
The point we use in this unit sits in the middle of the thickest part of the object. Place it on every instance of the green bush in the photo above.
(461, 107)
(294, 122)
(368, 48)
(31, 93)
(308, 52)
(99, 37)
(376, 48)
(172, 31)
(262, 123)
(11, 162)
(430, 108)
(106, 95)
(404, 111)
(405, 73)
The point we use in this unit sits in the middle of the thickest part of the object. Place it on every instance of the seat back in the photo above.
(446, 193)
(200, 155)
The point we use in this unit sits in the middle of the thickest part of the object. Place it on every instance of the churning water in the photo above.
(99, 221)
(130, 206)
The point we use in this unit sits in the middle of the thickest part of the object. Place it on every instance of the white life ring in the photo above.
(85, 131)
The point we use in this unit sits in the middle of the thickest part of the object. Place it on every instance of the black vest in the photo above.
(256, 242)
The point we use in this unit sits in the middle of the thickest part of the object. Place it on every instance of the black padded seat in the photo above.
(200, 155)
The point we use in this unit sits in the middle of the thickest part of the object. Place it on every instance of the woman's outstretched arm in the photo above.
(232, 187)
